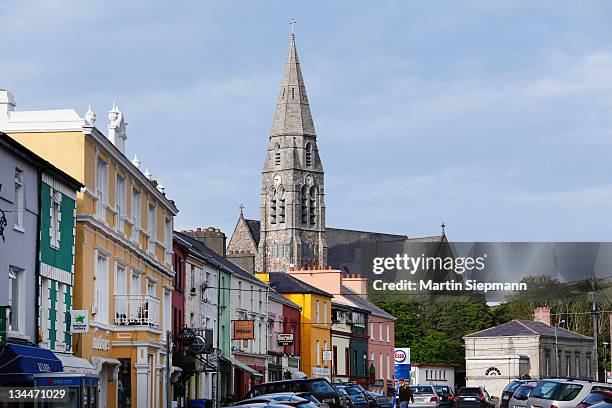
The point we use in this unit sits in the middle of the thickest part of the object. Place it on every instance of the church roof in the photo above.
(527, 328)
(292, 116)
(254, 227)
(285, 283)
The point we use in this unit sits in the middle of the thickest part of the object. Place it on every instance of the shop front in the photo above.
(19, 363)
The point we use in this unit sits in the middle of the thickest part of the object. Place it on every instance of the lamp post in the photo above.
(557, 346)
(605, 354)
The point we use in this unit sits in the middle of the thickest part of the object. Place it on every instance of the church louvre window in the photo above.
(304, 205)
(283, 96)
(308, 154)
(312, 211)
(281, 205)
(273, 206)
(277, 155)
(292, 93)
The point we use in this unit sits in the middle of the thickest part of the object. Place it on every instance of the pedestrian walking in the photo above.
(405, 394)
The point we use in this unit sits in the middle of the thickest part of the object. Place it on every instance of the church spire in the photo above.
(292, 116)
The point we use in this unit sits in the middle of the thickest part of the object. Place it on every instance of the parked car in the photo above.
(521, 395)
(346, 400)
(359, 400)
(446, 395)
(594, 397)
(381, 401)
(508, 391)
(602, 404)
(322, 389)
(285, 398)
(473, 397)
(264, 405)
(424, 397)
(562, 393)
(371, 400)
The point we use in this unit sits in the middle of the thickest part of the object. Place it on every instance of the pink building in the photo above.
(352, 290)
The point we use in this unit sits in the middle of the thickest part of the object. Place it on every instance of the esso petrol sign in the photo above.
(402, 356)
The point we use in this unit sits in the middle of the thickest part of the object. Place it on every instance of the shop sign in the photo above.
(99, 343)
(79, 321)
(244, 330)
(186, 336)
(328, 355)
(285, 339)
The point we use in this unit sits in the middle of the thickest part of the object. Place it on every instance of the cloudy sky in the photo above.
(495, 117)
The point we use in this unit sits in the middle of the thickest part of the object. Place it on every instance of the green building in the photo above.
(56, 254)
(359, 364)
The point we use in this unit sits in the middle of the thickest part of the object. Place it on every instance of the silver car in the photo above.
(520, 397)
(424, 397)
(562, 393)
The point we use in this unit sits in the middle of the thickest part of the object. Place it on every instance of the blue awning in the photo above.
(19, 362)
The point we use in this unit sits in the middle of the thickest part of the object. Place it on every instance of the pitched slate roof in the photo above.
(254, 227)
(364, 304)
(527, 328)
(215, 259)
(285, 283)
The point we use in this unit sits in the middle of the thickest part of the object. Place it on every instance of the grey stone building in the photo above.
(292, 188)
(497, 355)
(291, 231)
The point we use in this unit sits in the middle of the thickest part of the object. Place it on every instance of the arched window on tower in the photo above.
(304, 204)
(272, 205)
(277, 154)
(312, 210)
(281, 204)
(308, 154)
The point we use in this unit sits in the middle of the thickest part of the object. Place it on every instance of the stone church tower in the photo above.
(292, 217)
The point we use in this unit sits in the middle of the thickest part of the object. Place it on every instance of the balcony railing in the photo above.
(136, 310)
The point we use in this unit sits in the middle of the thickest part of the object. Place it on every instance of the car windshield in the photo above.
(422, 389)
(320, 387)
(522, 392)
(510, 388)
(596, 397)
(352, 391)
(469, 392)
(556, 391)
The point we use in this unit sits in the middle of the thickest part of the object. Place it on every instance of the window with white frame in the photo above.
(252, 294)
(102, 188)
(358, 319)
(135, 284)
(380, 365)
(324, 312)
(167, 308)
(136, 217)
(101, 288)
(151, 288)
(239, 294)
(260, 307)
(168, 238)
(388, 333)
(120, 201)
(318, 351)
(55, 218)
(152, 227)
(16, 301)
(192, 279)
(317, 312)
(121, 289)
(380, 331)
(388, 367)
(372, 330)
(19, 198)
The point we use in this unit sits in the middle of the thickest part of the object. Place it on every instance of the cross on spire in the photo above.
(292, 23)
(241, 208)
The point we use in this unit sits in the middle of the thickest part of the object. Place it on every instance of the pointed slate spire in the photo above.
(292, 116)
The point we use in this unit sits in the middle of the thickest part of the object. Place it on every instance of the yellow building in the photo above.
(315, 320)
(123, 265)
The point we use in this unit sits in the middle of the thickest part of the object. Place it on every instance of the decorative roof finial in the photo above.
(443, 225)
(136, 162)
(241, 208)
(292, 23)
(148, 174)
(90, 116)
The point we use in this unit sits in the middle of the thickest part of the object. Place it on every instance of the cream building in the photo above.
(520, 348)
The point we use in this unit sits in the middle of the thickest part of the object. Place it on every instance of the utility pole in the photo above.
(605, 346)
(594, 321)
(168, 380)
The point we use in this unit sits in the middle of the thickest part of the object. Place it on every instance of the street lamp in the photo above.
(557, 346)
(605, 346)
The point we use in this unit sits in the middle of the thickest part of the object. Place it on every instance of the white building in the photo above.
(434, 374)
(521, 348)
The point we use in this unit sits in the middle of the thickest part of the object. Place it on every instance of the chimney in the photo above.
(116, 128)
(7, 104)
(212, 237)
(542, 315)
(357, 284)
